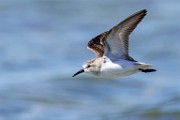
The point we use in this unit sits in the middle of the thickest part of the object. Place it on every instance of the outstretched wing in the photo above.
(117, 40)
(96, 44)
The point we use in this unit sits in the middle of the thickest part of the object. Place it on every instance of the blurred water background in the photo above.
(43, 43)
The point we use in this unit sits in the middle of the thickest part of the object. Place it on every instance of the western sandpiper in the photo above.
(111, 49)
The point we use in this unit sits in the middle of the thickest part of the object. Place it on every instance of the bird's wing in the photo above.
(117, 38)
(96, 44)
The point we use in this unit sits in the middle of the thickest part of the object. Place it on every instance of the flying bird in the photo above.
(111, 49)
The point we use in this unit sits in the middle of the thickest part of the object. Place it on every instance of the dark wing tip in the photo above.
(144, 11)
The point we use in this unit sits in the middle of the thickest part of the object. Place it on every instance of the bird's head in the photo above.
(90, 67)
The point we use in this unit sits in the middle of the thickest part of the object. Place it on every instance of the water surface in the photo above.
(43, 43)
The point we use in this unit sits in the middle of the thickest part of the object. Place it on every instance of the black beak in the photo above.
(80, 71)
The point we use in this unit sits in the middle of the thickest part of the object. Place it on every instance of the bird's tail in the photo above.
(144, 68)
(148, 70)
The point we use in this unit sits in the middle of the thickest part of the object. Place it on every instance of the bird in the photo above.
(112, 54)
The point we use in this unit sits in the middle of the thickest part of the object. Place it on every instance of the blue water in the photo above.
(43, 43)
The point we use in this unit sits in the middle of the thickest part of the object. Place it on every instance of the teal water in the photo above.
(43, 43)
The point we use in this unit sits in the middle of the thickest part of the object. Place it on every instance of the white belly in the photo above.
(118, 69)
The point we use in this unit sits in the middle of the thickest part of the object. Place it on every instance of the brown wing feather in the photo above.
(96, 44)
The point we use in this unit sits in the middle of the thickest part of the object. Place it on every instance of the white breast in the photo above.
(117, 69)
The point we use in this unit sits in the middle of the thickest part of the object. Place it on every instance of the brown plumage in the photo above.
(96, 44)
